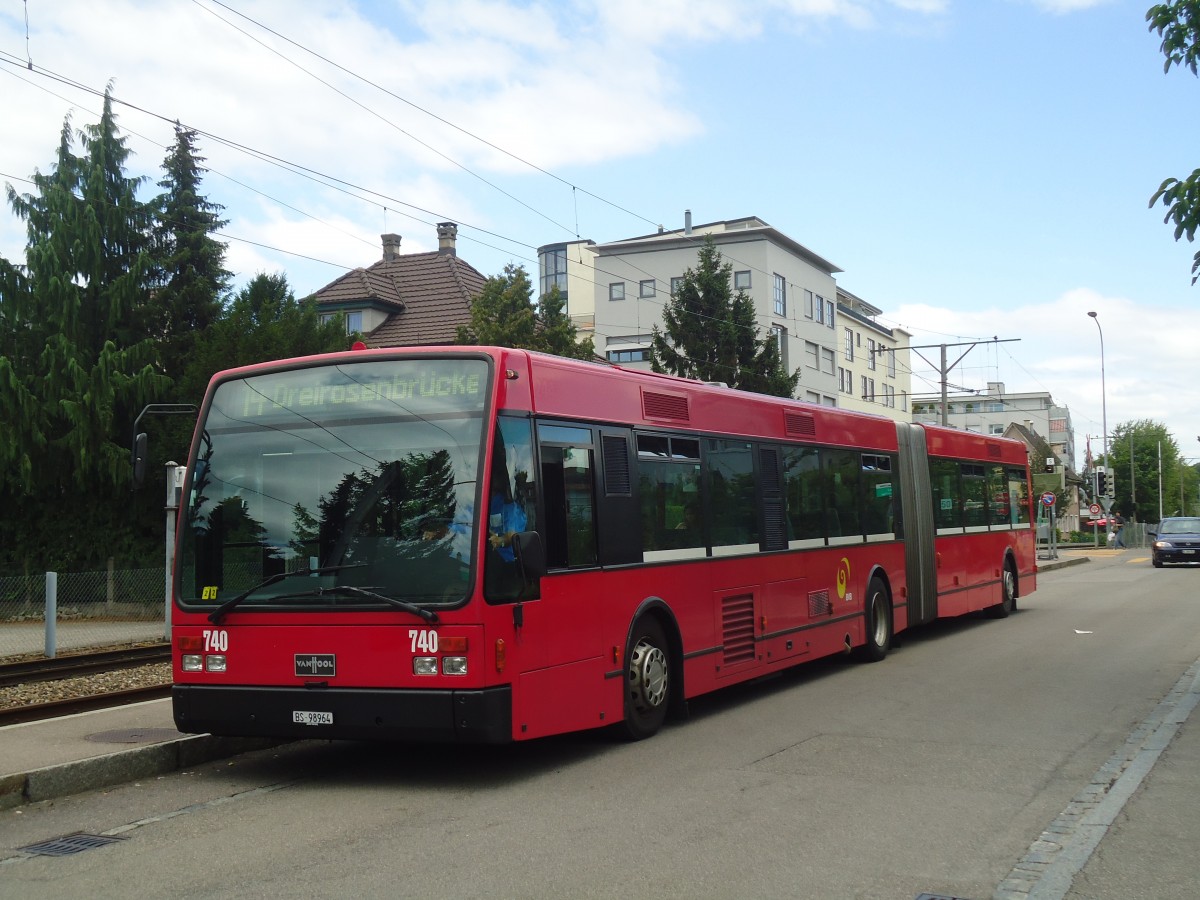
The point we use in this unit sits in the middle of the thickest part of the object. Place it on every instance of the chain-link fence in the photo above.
(116, 608)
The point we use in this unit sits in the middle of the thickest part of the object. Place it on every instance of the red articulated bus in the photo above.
(487, 545)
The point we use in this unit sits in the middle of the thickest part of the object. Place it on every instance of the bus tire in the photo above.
(647, 680)
(1008, 590)
(877, 623)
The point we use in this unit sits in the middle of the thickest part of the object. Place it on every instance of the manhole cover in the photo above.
(134, 736)
(72, 843)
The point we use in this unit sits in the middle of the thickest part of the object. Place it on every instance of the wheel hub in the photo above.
(647, 676)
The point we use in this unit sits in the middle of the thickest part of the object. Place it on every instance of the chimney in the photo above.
(391, 246)
(687, 221)
(447, 235)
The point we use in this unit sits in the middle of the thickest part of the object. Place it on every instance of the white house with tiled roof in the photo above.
(406, 299)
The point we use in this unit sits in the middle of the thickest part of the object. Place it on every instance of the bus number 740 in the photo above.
(423, 640)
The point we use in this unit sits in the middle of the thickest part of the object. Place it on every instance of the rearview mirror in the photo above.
(139, 460)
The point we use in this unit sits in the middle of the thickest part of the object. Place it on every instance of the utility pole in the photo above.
(944, 369)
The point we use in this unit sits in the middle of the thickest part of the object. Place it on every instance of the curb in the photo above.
(1051, 565)
(122, 766)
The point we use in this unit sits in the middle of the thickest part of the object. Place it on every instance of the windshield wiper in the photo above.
(427, 614)
(219, 613)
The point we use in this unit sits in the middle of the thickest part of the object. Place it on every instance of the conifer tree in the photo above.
(74, 368)
(191, 278)
(710, 333)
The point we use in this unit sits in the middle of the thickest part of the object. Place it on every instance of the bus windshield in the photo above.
(350, 474)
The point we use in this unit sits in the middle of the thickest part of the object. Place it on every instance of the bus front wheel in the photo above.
(1008, 593)
(647, 680)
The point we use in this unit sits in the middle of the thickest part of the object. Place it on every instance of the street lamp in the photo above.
(1103, 392)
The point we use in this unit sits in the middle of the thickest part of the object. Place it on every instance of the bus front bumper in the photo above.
(356, 714)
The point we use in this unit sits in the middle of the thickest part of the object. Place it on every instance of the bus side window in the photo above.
(842, 469)
(802, 494)
(568, 491)
(945, 493)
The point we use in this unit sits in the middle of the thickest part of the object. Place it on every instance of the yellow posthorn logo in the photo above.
(843, 578)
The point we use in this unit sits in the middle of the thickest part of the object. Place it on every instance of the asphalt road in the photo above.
(934, 771)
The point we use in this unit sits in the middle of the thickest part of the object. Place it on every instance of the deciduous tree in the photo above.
(504, 315)
(1178, 24)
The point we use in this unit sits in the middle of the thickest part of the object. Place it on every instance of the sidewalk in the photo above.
(72, 754)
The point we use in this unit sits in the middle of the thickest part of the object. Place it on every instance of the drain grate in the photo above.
(71, 843)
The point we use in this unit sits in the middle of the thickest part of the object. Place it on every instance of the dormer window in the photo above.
(354, 320)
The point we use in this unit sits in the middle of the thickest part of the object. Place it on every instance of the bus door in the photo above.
(919, 555)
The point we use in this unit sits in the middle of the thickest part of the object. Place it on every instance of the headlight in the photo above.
(214, 662)
(454, 665)
(1162, 545)
(191, 663)
(425, 665)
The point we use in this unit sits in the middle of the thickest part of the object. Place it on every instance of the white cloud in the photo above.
(1060, 351)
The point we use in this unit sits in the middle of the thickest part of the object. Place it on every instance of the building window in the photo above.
(889, 395)
(354, 320)
(811, 354)
(849, 345)
(741, 280)
(646, 288)
(827, 356)
(819, 308)
(891, 363)
(829, 313)
(616, 290)
(995, 429)
(553, 265)
(676, 284)
(808, 304)
(870, 354)
(780, 334)
(629, 356)
(780, 295)
(846, 379)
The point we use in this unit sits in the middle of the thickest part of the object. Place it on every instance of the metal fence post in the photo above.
(51, 614)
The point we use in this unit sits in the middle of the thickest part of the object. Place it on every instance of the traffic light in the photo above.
(1101, 483)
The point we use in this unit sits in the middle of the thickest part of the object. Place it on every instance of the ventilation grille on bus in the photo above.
(819, 605)
(617, 482)
(664, 406)
(737, 627)
(994, 450)
(802, 424)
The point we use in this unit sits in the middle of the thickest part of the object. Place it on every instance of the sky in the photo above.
(977, 168)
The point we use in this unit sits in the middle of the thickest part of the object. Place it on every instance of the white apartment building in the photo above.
(992, 411)
(793, 290)
(873, 361)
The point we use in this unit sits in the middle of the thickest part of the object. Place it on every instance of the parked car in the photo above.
(1176, 540)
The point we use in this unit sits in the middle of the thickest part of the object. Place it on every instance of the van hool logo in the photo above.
(316, 664)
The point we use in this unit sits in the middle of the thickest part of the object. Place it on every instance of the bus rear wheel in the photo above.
(647, 680)
(877, 624)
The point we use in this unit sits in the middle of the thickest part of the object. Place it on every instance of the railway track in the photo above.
(34, 712)
(85, 694)
(81, 664)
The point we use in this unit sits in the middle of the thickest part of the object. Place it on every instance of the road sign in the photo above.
(1094, 509)
(1048, 498)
